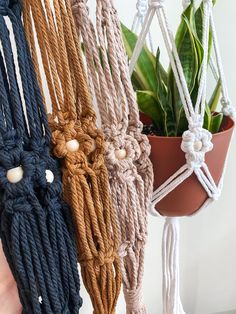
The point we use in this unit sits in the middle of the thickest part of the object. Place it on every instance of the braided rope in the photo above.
(127, 149)
(36, 229)
(85, 177)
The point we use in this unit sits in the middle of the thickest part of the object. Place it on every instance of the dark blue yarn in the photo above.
(36, 226)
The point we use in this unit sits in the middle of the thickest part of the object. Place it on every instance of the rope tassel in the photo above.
(170, 255)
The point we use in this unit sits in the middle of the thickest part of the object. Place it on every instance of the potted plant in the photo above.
(164, 118)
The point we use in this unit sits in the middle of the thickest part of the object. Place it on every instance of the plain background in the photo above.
(208, 241)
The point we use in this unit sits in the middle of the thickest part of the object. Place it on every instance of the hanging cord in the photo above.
(80, 146)
(142, 8)
(127, 149)
(36, 230)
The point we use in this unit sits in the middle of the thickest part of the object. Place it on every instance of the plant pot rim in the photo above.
(231, 124)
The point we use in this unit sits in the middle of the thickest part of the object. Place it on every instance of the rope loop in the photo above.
(156, 4)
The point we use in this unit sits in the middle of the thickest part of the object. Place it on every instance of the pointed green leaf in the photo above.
(207, 118)
(144, 74)
(149, 105)
(213, 102)
(216, 122)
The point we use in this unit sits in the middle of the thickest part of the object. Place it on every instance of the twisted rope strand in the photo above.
(85, 177)
(131, 176)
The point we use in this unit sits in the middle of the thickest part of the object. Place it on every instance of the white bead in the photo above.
(72, 146)
(120, 153)
(49, 176)
(197, 146)
(14, 175)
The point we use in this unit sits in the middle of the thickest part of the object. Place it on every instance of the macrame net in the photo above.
(195, 158)
(36, 230)
(127, 151)
(73, 121)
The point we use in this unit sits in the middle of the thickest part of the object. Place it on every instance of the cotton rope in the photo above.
(73, 121)
(142, 7)
(36, 230)
(195, 159)
(127, 152)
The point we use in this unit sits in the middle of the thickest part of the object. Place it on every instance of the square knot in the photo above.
(196, 143)
(195, 122)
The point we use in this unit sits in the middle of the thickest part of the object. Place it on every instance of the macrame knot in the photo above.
(104, 258)
(122, 151)
(156, 4)
(196, 143)
(71, 138)
(134, 301)
(123, 249)
(228, 109)
(14, 205)
(76, 164)
(142, 6)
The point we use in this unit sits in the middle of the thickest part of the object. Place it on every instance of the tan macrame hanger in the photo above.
(80, 146)
(131, 177)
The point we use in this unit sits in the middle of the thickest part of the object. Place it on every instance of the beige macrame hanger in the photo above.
(127, 149)
(79, 145)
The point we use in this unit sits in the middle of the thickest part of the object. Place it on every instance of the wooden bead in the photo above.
(15, 175)
(94, 146)
(72, 146)
(49, 176)
(198, 146)
(120, 154)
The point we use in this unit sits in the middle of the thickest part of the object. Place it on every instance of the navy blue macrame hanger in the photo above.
(36, 228)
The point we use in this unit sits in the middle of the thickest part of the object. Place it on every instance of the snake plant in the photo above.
(156, 89)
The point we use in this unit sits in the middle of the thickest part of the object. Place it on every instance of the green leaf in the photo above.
(207, 118)
(163, 96)
(188, 53)
(148, 104)
(144, 75)
(213, 102)
(216, 121)
(185, 43)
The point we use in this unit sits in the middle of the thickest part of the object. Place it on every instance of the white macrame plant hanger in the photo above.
(196, 141)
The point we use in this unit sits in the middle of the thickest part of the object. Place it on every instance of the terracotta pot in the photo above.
(167, 157)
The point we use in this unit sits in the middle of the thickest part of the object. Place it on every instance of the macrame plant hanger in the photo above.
(191, 139)
(127, 150)
(36, 230)
(80, 146)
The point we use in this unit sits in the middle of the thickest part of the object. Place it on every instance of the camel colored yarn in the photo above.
(130, 170)
(79, 145)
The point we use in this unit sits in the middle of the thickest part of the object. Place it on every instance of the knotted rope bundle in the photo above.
(127, 149)
(196, 141)
(80, 146)
(36, 228)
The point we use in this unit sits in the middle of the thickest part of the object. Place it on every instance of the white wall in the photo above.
(208, 241)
